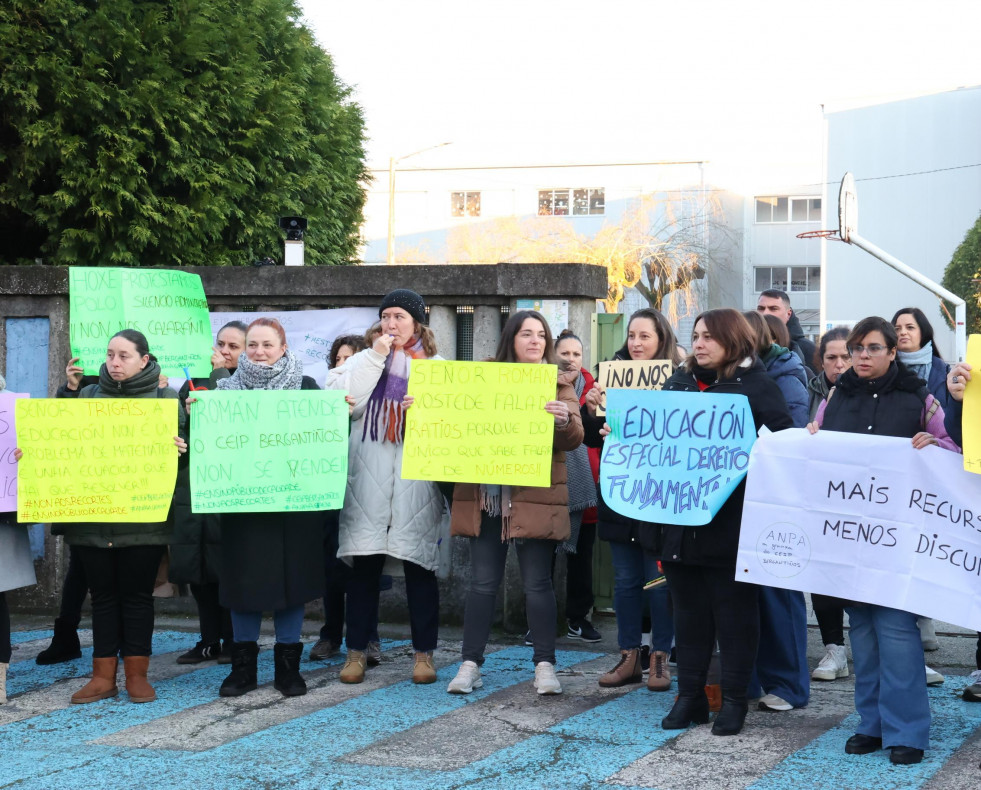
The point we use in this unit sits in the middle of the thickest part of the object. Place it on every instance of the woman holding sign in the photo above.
(120, 559)
(700, 562)
(494, 516)
(385, 516)
(649, 337)
(879, 395)
(268, 561)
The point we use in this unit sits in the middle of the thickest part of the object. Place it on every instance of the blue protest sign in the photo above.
(674, 457)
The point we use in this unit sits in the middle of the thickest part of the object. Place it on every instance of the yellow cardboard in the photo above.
(480, 422)
(971, 419)
(632, 374)
(96, 459)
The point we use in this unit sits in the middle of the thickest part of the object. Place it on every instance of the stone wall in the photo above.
(42, 292)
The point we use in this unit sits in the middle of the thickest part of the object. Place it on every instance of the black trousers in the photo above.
(579, 575)
(216, 620)
(830, 614)
(708, 603)
(421, 590)
(74, 590)
(121, 582)
(5, 649)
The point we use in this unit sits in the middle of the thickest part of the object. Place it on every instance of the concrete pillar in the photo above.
(580, 321)
(442, 320)
(486, 330)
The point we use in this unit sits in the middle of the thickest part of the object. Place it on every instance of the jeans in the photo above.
(488, 554)
(708, 602)
(216, 622)
(288, 623)
(421, 590)
(632, 569)
(781, 661)
(121, 581)
(338, 574)
(890, 687)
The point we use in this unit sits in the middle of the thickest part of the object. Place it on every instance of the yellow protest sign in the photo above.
(632, 374)
(971, 419)
(96, 459)
(480, 422)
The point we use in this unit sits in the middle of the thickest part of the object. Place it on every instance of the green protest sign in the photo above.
(169, 307)
(268, 450)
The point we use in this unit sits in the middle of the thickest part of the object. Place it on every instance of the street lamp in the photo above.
(391, 197)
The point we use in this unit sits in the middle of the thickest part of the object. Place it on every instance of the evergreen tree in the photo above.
(171, 132)
(963, 274)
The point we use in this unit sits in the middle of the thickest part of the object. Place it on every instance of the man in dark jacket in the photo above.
(777, 302)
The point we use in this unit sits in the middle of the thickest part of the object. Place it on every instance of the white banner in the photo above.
(866, 518)
(309, 333)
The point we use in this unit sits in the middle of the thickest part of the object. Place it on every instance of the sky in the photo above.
(736, 83)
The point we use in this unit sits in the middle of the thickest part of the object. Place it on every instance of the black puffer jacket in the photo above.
(715, 544)
(106, 535)
(194, 548)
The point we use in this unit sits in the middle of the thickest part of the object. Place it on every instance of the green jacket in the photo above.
(114, 535)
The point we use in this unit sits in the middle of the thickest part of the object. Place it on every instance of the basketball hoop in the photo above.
(830, 235)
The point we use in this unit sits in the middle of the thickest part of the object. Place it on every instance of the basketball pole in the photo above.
(848, 232)
(960, 306)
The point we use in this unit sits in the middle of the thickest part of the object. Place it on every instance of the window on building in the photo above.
(585, 202)
(788, 209)
(787, 278)
(464, 204)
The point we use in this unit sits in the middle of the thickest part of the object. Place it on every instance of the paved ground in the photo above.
(387, 733)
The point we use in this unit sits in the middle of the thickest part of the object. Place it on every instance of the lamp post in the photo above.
(390, 258)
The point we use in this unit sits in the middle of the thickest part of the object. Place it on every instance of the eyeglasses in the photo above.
(874, 350)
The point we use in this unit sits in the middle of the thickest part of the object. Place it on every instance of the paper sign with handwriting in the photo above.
(169, 307)
(480, 422)
(268, 451)
(865, 518)
(96, 459)
(674, 457)
(631, 374)
(8, 442)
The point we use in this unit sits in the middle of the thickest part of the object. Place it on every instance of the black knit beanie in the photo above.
(408, 300)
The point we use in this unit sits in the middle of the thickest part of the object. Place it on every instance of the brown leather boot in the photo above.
(137, 687)
(628, 670)
(659, 678)
(103, 682)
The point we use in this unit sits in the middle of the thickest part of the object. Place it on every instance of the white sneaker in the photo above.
(933, 678)
(774, 703)
(467, 679)
(834, 665)
(545, 680)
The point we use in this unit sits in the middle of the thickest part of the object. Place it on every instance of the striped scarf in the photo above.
(384, 417)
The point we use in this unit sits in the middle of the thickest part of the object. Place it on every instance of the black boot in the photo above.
(730, 719)
(64, 644)
(287, 678)
(687, 710)
(245, 661)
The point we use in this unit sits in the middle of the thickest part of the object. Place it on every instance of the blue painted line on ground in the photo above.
(823, 762)
(19, 637)
(266, 758)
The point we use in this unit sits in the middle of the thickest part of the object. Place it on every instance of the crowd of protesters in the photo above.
(880, 377)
